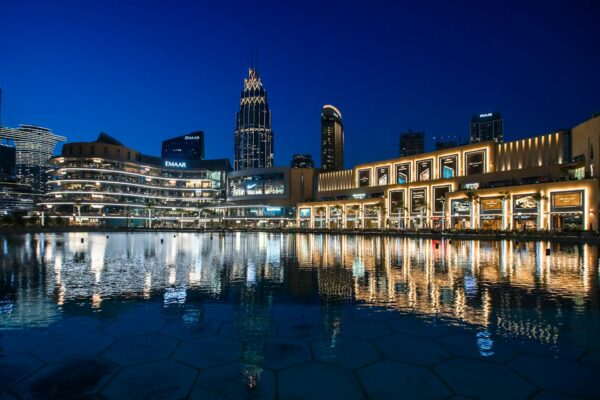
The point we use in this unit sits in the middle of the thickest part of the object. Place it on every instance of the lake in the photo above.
(265, 315)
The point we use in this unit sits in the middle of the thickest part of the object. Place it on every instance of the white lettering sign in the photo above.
(192, 138)
(485, 115)
(175, 164)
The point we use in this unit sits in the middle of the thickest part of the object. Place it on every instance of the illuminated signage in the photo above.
(424, 172)
(525, 202)
(475, 162)
(403, 173)
(176, 164)
(491, 205)
(358, 196)
(461, 207)
(364, 177)
(448, 166)
(305, 213)
(439, 198)
(192, 138)
(382, 175)
(567, 199)
(418, 201)
(485, 115)
(397, 202)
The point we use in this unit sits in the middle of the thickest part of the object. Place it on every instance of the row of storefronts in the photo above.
(568, 205)
(548, 182)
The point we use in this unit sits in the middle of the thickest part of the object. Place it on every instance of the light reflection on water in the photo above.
(505, 287)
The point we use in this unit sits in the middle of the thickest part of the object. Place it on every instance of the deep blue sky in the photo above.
(143, 72)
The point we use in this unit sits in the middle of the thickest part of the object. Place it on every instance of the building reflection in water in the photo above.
(501, 288)
(513, 287)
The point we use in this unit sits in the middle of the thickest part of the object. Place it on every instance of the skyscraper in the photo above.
(8, 161)
(332, 139)
(412, 143)
(302, 161)
(489, 126)
(186, 147)
(34, 147)
(253, 133)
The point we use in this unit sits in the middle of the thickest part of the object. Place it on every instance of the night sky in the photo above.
(143, 72)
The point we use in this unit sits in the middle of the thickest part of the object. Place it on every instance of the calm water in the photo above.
(258, 315)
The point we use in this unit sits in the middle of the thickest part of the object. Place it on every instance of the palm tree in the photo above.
(538, 197)
(150, 205)
(503, 197)
(403, 215)
(78, 205)
(473, 199)
(181, 211)
(341, 211)
(381, 212)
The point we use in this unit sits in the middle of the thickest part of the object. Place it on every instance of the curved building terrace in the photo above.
(107, 183)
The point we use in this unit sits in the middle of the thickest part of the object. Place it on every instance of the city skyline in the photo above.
(114, 79)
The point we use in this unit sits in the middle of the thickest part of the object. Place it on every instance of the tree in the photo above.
(473, 199)
(78, 205)
(504, 196)
(150, 205)
(538, 197)
(340, 210)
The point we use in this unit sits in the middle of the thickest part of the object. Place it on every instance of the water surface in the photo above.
(259, 315)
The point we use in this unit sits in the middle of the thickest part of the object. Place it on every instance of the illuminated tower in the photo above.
(253, 133)
(332, 139)
(34, 147)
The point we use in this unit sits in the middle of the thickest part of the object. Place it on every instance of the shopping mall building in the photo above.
(547, 182)
(106, 183)
(265, 197)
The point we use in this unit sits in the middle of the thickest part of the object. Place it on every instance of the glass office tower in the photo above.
(187, 147)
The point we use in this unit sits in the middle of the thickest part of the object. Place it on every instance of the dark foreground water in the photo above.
(259, 315)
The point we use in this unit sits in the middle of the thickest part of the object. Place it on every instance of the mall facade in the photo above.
(266, 197)
(105, 183)
(547, 182)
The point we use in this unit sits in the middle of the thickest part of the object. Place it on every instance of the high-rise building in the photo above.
(187, 147)
(34, 147)
(14, 197)
(253, 132)
(412, 143)
(8, 161)
(332, 139)
(302, 161)
(489, 126)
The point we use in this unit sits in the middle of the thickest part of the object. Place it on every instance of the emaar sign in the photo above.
(175, 164)
(192, 138)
